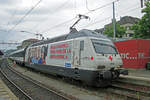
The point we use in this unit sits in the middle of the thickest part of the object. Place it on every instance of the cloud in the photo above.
(23, 11)
(9, 2)
(53, 12)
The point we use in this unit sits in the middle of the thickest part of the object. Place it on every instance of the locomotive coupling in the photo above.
(110, 74)
(113, 73)
(123, 71)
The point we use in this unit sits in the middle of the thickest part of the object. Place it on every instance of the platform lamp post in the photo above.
(37, 34)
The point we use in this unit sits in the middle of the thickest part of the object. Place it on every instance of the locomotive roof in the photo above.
(73, 34)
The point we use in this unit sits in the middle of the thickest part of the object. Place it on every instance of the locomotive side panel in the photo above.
(67, 58)
(60, 54)
(87, 55)
(75, 53)
(36, 55)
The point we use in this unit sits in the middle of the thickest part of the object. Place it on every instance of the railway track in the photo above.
(123, 89)
(130, 89)
(27, 89)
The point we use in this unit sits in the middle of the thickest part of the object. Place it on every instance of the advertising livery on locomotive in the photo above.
(82, 55)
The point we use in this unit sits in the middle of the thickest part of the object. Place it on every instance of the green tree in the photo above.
(120, 31)
(142, 28)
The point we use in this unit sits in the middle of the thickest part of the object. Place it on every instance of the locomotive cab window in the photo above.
(81, 45)
(104, 47)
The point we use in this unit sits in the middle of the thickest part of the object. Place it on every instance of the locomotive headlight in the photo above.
(118, 67)
(100, 67)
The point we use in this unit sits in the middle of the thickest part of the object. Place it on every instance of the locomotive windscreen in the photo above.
(104, 47)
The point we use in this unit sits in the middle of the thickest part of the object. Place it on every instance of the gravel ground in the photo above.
(76, 91)
(35, 91)
(64, 87)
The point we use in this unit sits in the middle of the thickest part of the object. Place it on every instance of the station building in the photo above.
(27, 42)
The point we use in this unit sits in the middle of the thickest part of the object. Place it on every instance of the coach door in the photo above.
(76, 53)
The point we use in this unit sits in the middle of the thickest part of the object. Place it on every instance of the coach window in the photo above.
(81, 45)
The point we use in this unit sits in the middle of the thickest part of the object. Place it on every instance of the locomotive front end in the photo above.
(108, 60)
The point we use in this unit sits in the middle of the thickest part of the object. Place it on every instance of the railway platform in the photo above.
(139, 73)
(5, 92)
(137, 76)
(142, 74)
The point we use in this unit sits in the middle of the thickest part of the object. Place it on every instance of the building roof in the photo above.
(123, 20)
(128, 19)
(31, 40)
(101, 30)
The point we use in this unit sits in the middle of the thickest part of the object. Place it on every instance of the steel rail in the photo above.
(11, 82)
(38, 84)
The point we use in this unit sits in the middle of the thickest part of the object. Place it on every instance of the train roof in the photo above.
(85, 33)
(17, 51)
(73, 34)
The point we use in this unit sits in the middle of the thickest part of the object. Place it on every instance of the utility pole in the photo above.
(141, 3)
(114, 21)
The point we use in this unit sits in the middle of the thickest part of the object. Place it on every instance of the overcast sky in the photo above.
(48, 16)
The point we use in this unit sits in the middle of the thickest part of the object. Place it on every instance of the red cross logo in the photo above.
(110, 58)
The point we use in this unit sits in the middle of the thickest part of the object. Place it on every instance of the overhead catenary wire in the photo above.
(56, 26)
(65, 22)
(130, 10)
(86, 2)
(98, 21)
(22, 18)
(119, 11)
(52, 12)
(127, 8)
(116, 16)
(75, 6)
(127, 11)
(11, 17)
(98, 8)
(95, 9)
